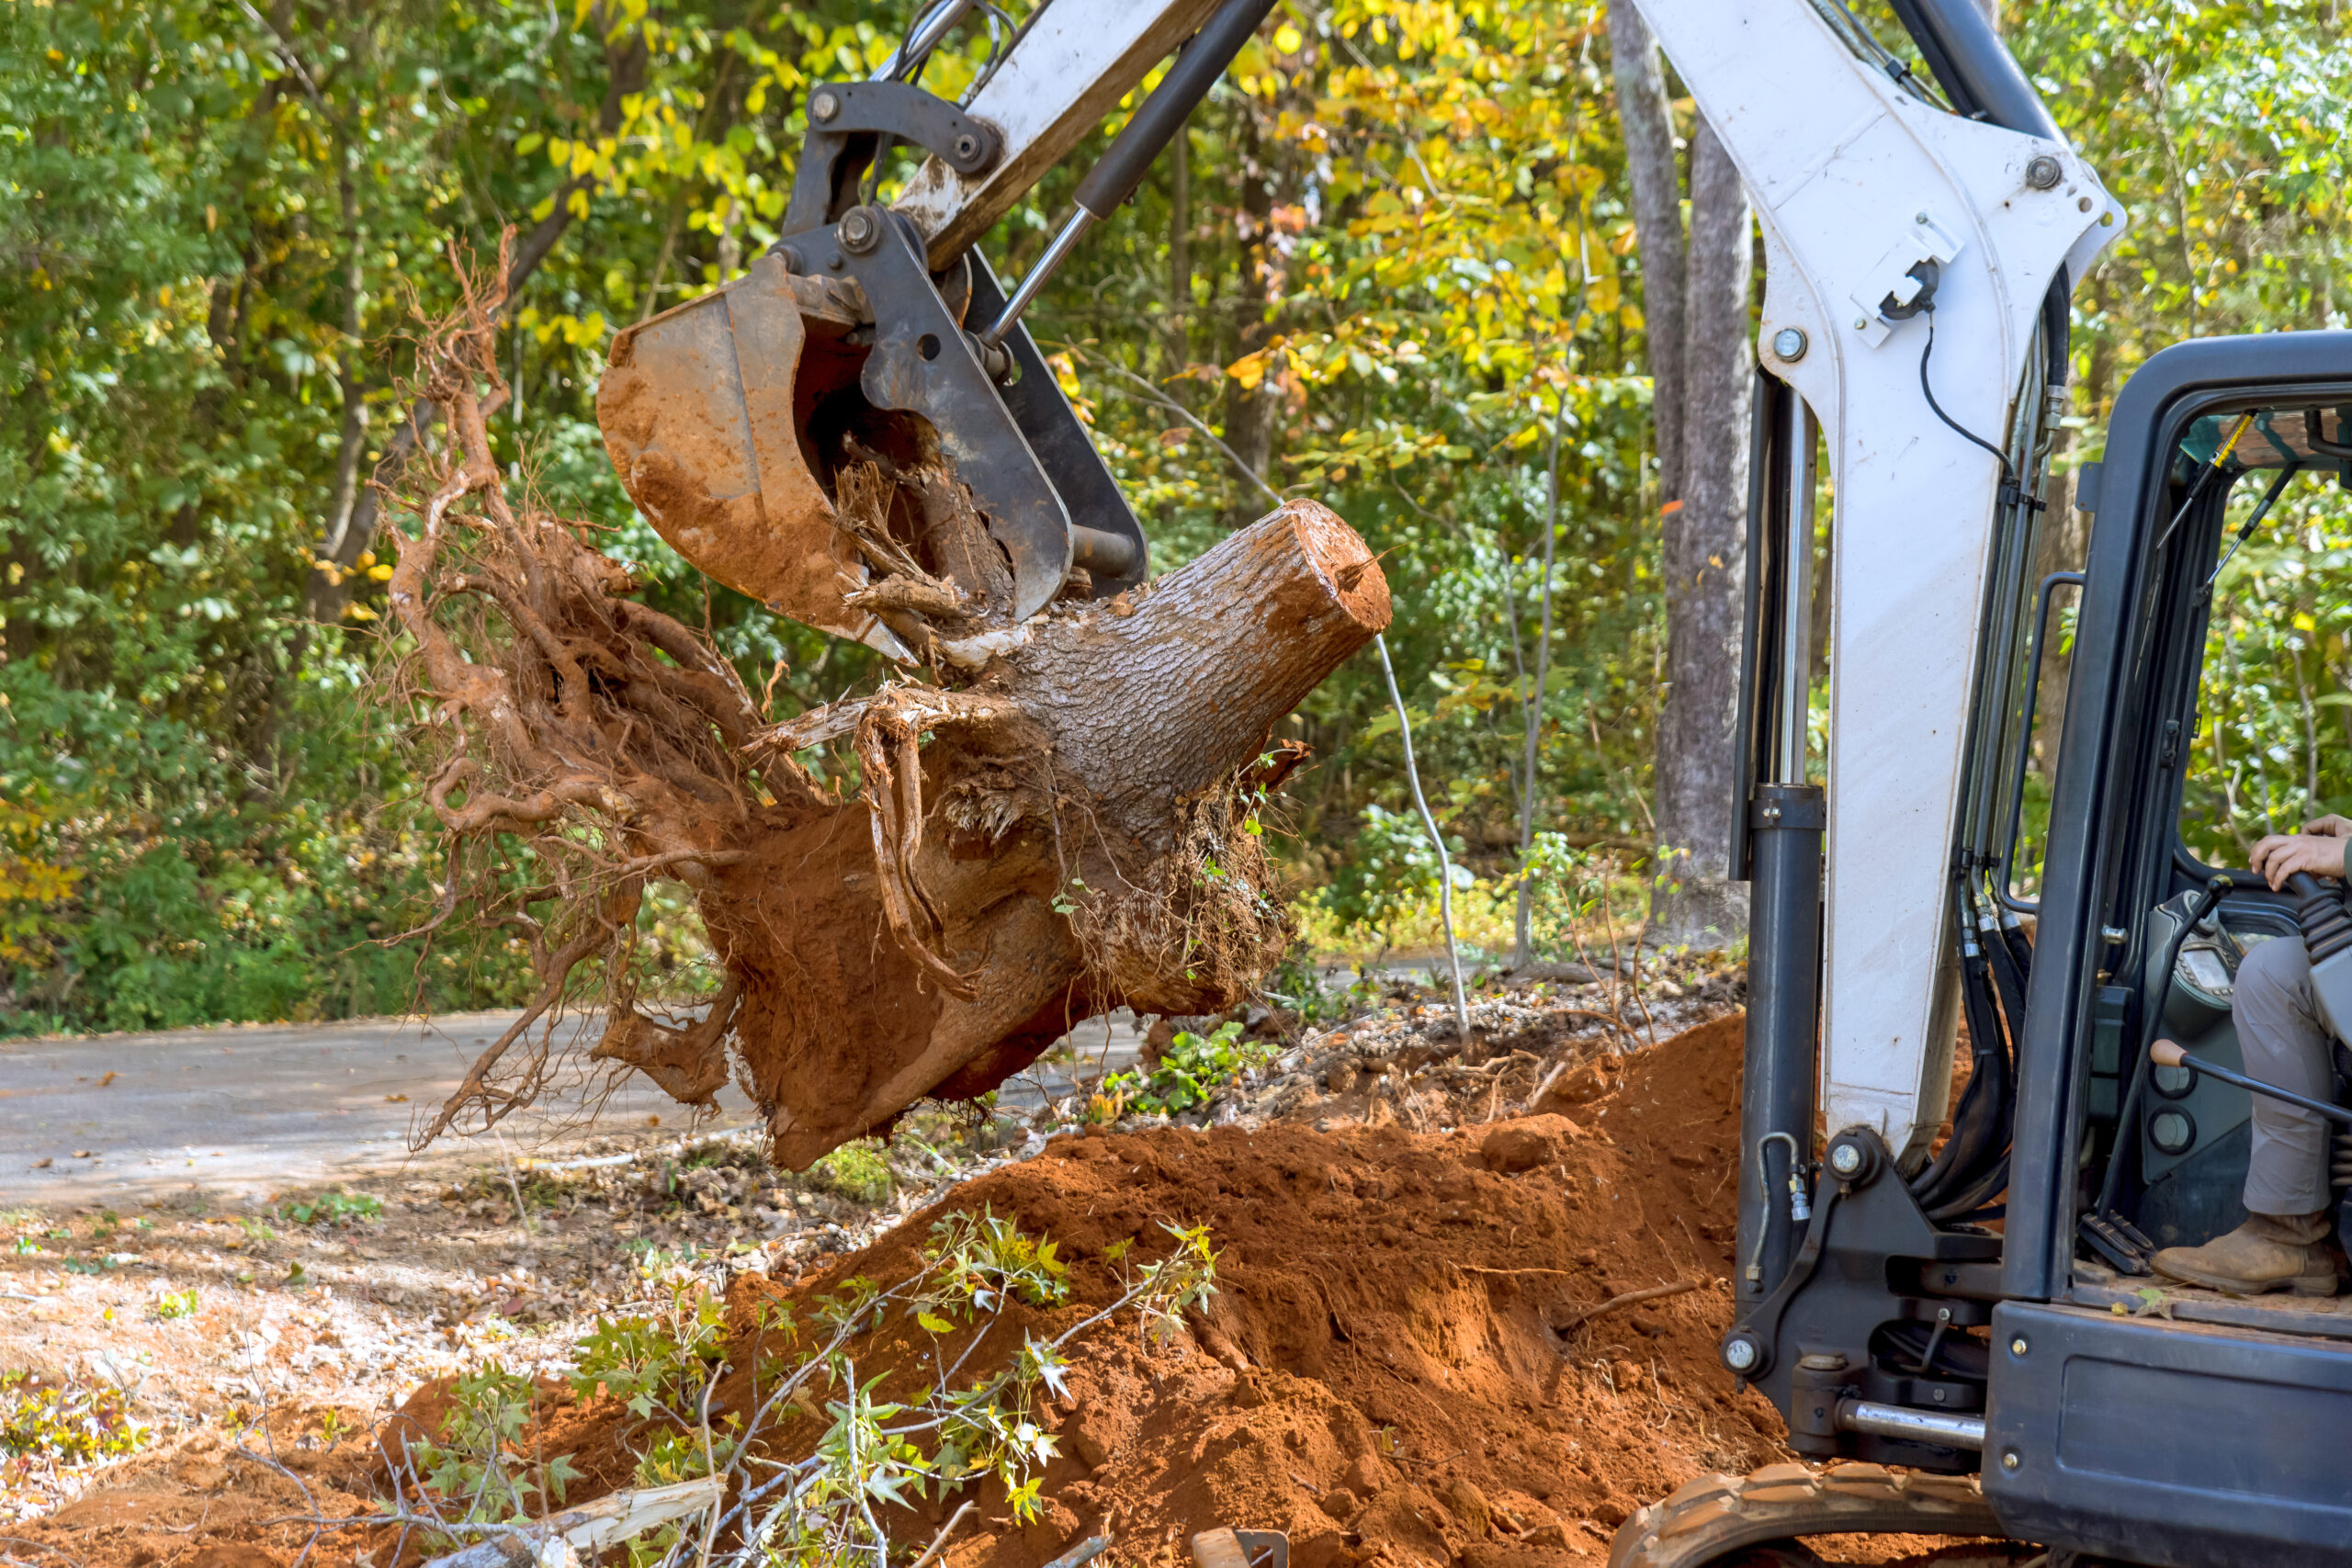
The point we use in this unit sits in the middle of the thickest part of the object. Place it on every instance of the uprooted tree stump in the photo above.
(1068, 828)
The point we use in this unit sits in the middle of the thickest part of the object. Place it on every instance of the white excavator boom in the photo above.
(1856, 181)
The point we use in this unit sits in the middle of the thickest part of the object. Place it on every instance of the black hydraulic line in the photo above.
(1975, 1195)
(1975, 69)
(1999, 1104)
(2057, 328)
(1978, 1121)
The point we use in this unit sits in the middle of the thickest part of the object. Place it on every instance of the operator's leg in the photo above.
(2282, 1243)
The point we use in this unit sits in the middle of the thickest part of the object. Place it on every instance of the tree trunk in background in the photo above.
(1704, 566)
(1695, 303)
(1252, 413)
(1647, 121)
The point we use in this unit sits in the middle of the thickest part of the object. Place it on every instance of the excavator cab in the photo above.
(1984, 1308)
(1942, 1275)
(2165, 1423)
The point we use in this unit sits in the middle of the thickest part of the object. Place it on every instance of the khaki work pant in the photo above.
(2285, 1043)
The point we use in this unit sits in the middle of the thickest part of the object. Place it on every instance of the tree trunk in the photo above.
(1069, 830)
(1094, 785)
(1647, 121)
(1180, 253)
(1704, 569)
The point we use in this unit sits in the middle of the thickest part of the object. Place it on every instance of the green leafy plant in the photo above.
(481, 1469)
(175, 1304)
(1297, 986)
(949, 1431)
(1194, 1068)
(331, 1208)
(856, 1171)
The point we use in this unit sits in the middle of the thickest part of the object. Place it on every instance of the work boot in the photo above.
(2270, 1252)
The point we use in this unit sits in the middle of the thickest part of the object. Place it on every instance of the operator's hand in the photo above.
(2319, 849)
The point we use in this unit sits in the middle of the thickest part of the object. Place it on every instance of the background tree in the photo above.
(1697, 289)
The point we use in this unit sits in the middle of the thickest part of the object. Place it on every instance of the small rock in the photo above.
(1552, 1534)
(1366, 1476)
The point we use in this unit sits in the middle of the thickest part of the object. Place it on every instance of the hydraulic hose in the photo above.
(1977, 1120)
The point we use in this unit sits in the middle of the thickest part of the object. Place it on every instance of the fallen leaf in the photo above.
(86, 1154)
(397, 1099)
(44, 1164)
(108, 1079)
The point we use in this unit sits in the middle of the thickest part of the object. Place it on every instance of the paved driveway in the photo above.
(259, 1108)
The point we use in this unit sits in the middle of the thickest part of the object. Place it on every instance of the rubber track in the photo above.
(1711, 1515)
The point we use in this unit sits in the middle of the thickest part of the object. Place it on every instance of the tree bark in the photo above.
(1704, 567)
(1647, 122)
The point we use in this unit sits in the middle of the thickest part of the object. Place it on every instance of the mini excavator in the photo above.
(1944, 1296)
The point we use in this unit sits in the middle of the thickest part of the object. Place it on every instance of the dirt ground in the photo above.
(1403, 1359)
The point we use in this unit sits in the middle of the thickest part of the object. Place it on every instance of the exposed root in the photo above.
(570, 728)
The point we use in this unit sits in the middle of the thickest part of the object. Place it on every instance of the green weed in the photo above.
(332, 1208)
(1195, 1068)
(856, 1171)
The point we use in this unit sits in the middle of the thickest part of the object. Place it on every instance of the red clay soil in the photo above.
(1394, 1364)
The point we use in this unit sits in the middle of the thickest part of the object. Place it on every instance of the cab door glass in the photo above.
(2271, 747)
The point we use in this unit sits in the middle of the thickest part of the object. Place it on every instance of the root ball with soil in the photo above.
(1054, 819)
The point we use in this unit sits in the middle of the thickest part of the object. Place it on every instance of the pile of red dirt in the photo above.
(1399, 1358)
(1403, 1358)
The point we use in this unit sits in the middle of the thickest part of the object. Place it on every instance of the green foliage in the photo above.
(175, 1304)
(2275, 747)
(1392, 867)
(332, 1208)
(1194, 1068)
(1404, 263)
(857, 1171)
(65, 1423)
(482, 1466)
(1298, 986)
(945, 1433)
(656, 1361)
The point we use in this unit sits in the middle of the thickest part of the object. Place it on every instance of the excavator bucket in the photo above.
(706, 410)
(729, 420)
